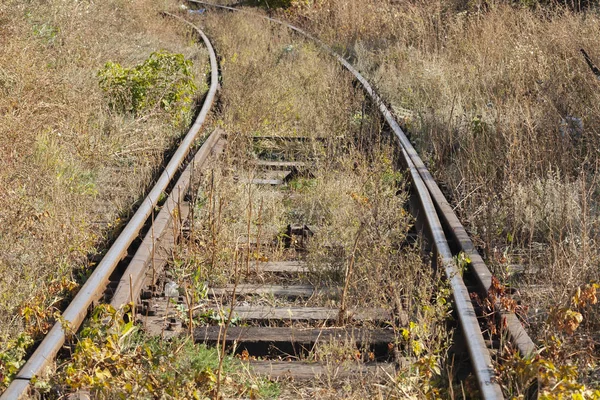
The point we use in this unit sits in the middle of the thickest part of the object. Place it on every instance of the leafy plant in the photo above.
(12, 359)
(555, 378)
(163, 81)
(463, 262)
(112, 359)
(558, 371)
(568, 318)
(39, 311)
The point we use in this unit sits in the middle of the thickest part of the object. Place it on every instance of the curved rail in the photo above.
(431, 198)
(95, 285)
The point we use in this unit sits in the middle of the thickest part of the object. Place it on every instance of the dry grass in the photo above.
(488, 96)
(490, 93)
(502, 106)
(69, 165)
(495, 93)
(356, 215)
(278, 85)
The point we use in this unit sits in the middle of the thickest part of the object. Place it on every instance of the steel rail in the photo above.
(95, 285)
(133, 279)
(424, 183)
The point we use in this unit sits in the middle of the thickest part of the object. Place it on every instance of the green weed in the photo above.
(13, 358)
(163, 81)
(113, 359)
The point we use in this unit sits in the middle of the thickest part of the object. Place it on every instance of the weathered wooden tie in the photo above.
(289, 267)
(308, 371)
(321, 314)
(288, 291)
(306, 336)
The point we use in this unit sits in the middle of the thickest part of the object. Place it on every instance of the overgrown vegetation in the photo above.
(353, 198)
(113, 359)
(71, 164)
(503, 107)
(163, 81)
(495, 95)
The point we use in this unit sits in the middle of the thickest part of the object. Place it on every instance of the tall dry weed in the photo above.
(504, 109)
(69, 165)
(276, 84)
(498, 96)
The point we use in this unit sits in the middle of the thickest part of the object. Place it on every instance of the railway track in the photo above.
(448, 238)
(280, 315)
(125, 275)
(95, 287)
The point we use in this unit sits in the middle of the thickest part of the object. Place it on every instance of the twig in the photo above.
(211, 219)
(131, 292)
(248, 233)
(188, 300)
(349, 268)
(259, 224)
(229, 317)
(590, 63)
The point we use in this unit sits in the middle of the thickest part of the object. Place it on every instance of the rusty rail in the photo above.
(133, 279)
(94, 287)
(439, 215)
(134, 276)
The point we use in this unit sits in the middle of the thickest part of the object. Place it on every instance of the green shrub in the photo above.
(164, 81)
(13, 358)
(114, 360)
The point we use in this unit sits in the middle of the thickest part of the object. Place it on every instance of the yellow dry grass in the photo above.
(503, 107)
(501, 104)
(69, 165)
(277, 84)
(499, 101)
